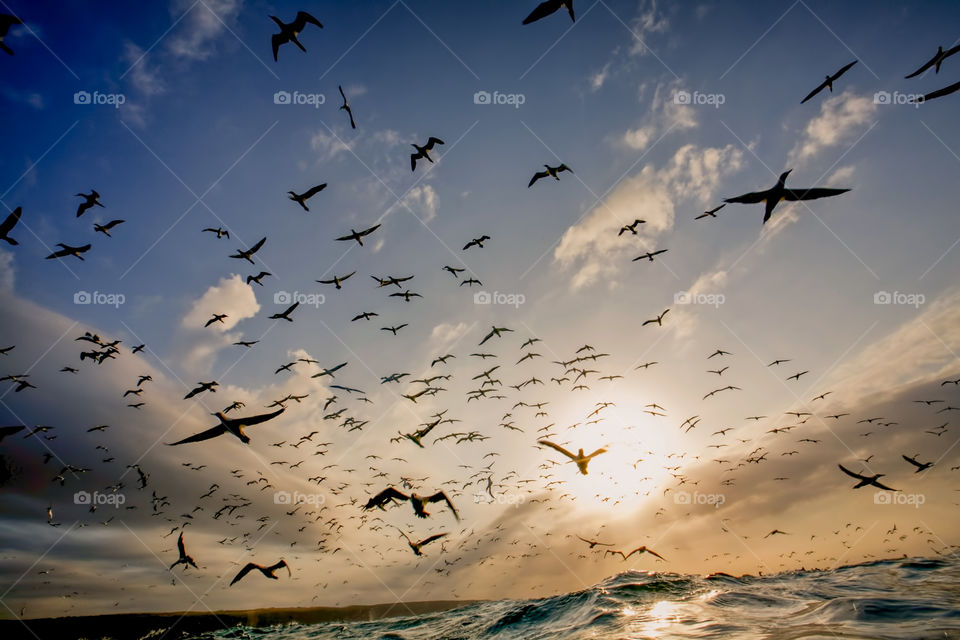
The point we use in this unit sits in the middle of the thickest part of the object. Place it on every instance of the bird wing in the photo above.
(912, 461)
(843, 70)
(386, 496)
(926, 66)
(942, 92)
(302, 19)
(342, 94)
(537, 176)
(431, 142)
(850, 473)
(543, 10)
(314, 191)
(252, 420)
(11, 221)
(212, 432)
(815, 91)
(558, 448)
(290, 309)
(247, 569)
(367, 232)
(180, 546)
(748, 198)
(431, 539)
(598, 452)
(277, 40)
(811, 194)
(440, 496)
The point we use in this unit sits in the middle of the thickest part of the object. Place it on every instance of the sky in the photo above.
(177, 115)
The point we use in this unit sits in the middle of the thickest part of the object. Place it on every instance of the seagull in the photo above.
(9, 223)
(580, 459)
(495, 331)
(6, 21)
(346, 107)
(632, 227)
(394, 329)
(358, 235)
(865, 480)
(266, 571)
(184, 559)
(772, 196)
(221, 233)
(66, 250)
(649, 255)
(204, 386)
(551, 172)
(248, 254)
(828, 83)
(289, 32)
(712, 213)
(302, 198)
(549, 7)
(336, 280)
(423, 152)
(637, 550)
(921, 466)
(453, 270)
(234, 426)
(937, 60)
(389, 280)
(105, 228)
(286, 314)
(476, 242)
(419, 502)
(658, 319)
(90, 200)
(594, 543)
(217, 317)
(417, 545)
(257, 278)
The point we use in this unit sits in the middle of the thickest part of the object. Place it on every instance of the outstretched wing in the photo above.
(926, 66)
(597, 452)
(850, 473)
(252, 420)
(843, 70)
(247, 569)
(748, 198)
(317, 189)
(431, 539)
(213, 432)
(815, 92)
(431, 142)
(942, 92)
(180, 546)
(537, 176)
(384, 497)
(543, 10)
(558, 448)
(912, 461)
(366, 233)
(440, 496)
(302, 19)
(11, 221)
(257, 246)
(811, 194)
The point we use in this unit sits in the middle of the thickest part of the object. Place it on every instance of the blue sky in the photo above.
(199, 141)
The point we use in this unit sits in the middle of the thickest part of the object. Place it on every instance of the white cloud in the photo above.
(841, 120)
(647, 22)
(593, 244)
(327, 145)
(145, 79)
(231, 296)
(422, 200)
(662, 116)
(205, 21)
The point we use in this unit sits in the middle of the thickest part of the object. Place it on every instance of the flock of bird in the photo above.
(582, 371)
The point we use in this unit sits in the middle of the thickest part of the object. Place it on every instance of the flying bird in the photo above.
(772, 196)
(921, 466)
(336, 280)
(658, 320)
(66, 250)
(579, 458)
(419, 502)
(358, 235)
(248, 254)
(9, 223)
(289, 32)
(937, 60)
(266, 571)
(865, 480)
(632, 227)
(234, 426)
(286, 314)
(649, 255)
(7, 21)
(90, 200)
(711, 213)
(423, 152)
(551, 172)
(184, 559)
(476, 242)
(828, 83)
(105, 228)
(416, 546)
(549, 7)
(346, 107)
(301, 198)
